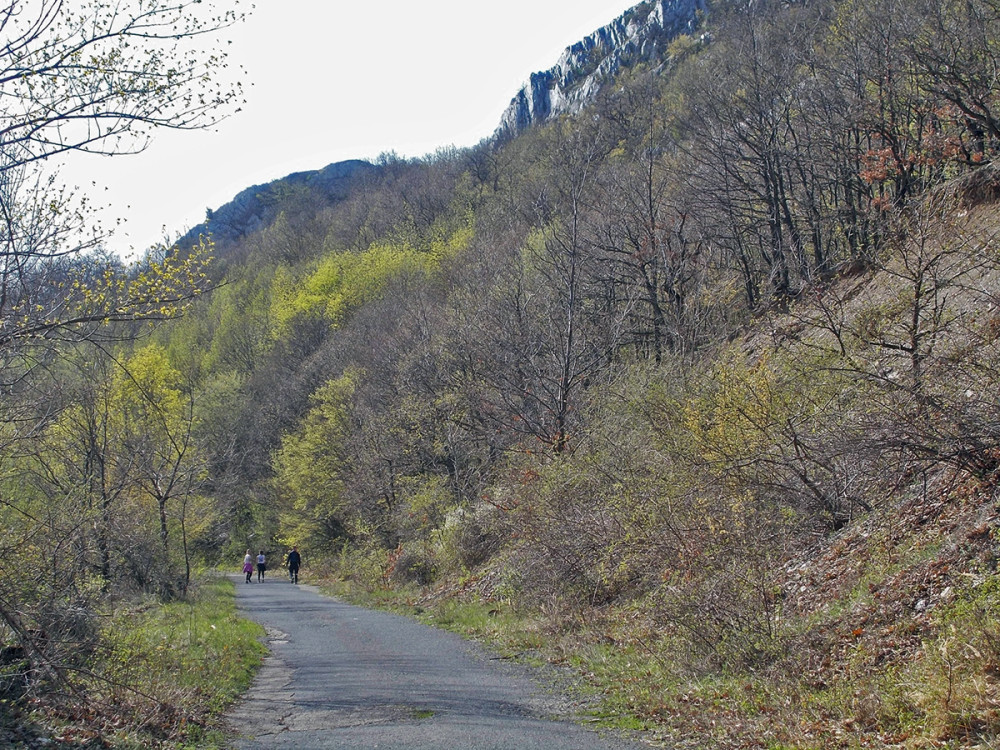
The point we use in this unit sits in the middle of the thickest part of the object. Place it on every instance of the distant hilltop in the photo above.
(642, 33)
(256, 207)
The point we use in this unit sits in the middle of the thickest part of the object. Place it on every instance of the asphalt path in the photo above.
(341, 676)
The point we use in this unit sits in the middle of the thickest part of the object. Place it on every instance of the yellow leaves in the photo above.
(344, 281)
(150, 290)
(736, 417)
(682, 46)
(149, 389)
(427, 499)
(620, 152)
(169, 285)
(447, 246)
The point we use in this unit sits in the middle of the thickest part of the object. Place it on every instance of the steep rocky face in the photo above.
(641, 33)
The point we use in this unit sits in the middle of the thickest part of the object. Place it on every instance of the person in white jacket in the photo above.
(261, 566)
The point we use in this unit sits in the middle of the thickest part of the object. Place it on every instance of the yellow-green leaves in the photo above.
(342, 282)
(310, 463)
(736, 416)
(94, 296)
(149, 385)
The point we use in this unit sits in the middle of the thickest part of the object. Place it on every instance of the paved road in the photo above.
(341, 676)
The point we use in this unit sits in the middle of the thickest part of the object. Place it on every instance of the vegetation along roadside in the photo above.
(692, 392)
(157, 675)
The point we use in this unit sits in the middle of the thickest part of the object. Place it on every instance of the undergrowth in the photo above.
(913, 663)
(161, 678)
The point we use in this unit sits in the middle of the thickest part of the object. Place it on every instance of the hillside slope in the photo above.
(764, 633)
(697, 384)
(257, 206)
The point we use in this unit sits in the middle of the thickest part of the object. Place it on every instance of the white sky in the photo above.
(335, 80)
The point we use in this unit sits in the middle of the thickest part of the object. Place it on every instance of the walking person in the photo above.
(261, 566)
(248, 565)
(294, 561)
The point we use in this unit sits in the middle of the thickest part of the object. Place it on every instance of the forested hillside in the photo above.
(705, 374)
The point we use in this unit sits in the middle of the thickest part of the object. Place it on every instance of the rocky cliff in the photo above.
(640, 34)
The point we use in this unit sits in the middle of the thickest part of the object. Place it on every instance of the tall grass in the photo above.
(162, 676)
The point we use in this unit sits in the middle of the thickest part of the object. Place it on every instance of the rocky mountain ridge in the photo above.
(642, 33)
(257, 206)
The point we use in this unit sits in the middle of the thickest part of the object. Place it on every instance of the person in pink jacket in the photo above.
(248, 565)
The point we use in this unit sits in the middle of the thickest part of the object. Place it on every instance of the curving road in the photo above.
(341, 676)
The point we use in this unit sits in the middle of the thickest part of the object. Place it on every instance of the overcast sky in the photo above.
(335, 80)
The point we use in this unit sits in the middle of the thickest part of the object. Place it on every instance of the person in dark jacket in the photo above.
(294, 561)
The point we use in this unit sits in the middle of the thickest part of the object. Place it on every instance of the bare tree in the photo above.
(98, 76)
(94, 76)
(958, 56)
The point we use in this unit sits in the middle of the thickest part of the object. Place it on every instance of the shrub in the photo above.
(472, 536)
(414, 564)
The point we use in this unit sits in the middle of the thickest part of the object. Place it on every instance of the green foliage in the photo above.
(450, 240)
(243, 330)
(682, 46)
(741, 414)
(427, 500)
(91, 431)
(344, 281)
(147, 391)
(310, 465)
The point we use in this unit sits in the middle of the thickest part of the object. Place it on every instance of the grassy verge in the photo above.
(162, 677)
(591, 670)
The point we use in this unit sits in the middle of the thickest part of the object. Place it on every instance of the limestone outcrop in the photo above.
(642, 33)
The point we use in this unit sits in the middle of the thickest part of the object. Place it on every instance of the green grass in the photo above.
(171, 670)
